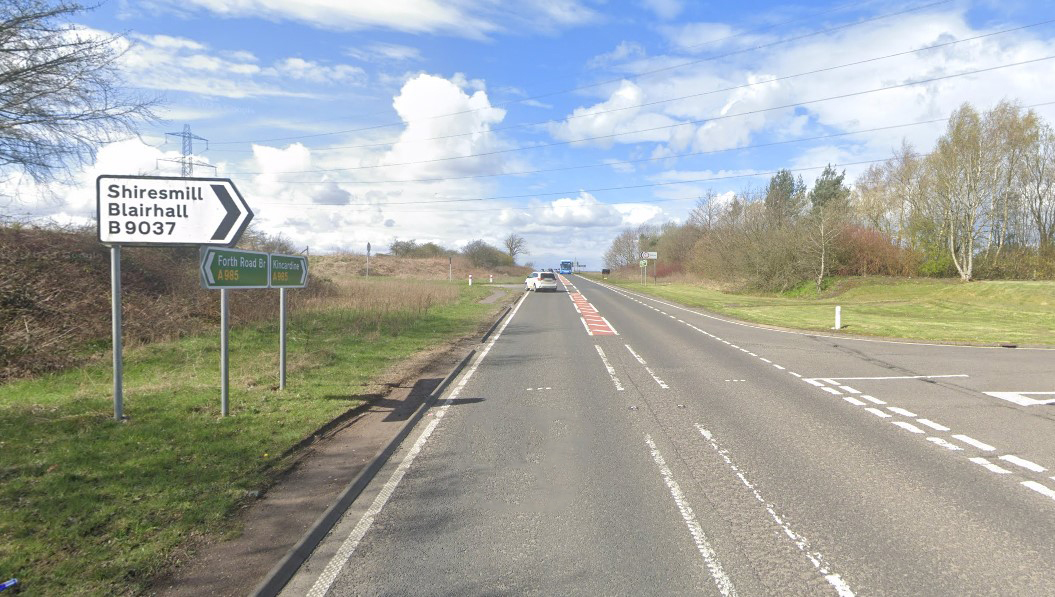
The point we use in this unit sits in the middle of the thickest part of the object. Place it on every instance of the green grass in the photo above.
(91, 506)
(986, 312)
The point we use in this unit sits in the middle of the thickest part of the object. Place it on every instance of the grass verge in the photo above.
(986, 312)
(90, 506)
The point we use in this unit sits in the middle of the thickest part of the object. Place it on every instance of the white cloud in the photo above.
(168, 63)
(664, 9)
(624, 51)
(386, 51)
(475, 19)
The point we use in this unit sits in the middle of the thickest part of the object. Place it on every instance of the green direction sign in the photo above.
(643, 263)
(289, 271)
(228, 268)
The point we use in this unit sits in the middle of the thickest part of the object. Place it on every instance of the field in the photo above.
(987, 312)
(91, 506)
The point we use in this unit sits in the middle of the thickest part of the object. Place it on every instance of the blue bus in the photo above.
(566, 266)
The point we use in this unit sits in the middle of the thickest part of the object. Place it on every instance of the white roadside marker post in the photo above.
(838, 318)
(490, 278)
(470, 279)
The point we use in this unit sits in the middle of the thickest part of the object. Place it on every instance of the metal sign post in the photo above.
(282, 338)
(287, 271)
(228, 268)
(115, 311)
(161, 211)
(367, 260)
(224, 360)
(450, 269)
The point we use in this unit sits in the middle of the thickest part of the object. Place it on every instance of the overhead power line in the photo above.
(673, 99)
(607, 81)
(657, 128)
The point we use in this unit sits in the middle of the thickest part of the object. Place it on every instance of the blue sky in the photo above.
(347, 122)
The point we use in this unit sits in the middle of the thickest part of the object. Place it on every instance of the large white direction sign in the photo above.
(162, 210)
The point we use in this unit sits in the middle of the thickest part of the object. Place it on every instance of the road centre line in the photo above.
(710, 558)
(873, 400)
(853, 401)
(901, 411)
(945, 444)
(933, 425)
(610, 368)
(832, 391)
(347, 549)
(878, 413)
(849, 390)
(815, 557)
(661, 383)
(1022, 462)
(973, 442)
(1041, 489)
(989, 465)
(908, 427)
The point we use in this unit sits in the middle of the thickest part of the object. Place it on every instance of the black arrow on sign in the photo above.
(233, 212)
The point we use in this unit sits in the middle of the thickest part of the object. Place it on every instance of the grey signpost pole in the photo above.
(224, 389)
(115, 310)
(450, 269)
(282, 338)
(367, 260)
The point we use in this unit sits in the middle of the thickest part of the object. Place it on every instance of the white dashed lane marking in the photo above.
(857, 399)
(1026, 464)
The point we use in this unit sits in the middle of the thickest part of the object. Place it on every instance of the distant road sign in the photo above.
(228, 268)
(165, 210)
(289, 271)
(643, 263)
(650, 255)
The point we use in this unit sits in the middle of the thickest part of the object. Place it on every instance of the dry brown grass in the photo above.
(347, 266)
(55, 298)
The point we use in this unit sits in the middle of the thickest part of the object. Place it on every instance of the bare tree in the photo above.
(60, 91)
(1038, 174)
(514, 244)
(623, 250)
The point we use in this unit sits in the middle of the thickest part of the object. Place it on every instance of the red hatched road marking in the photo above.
(595, 324)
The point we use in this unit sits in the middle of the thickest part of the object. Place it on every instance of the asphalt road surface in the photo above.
(606, 443)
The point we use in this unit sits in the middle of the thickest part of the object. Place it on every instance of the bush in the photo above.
(482, 254)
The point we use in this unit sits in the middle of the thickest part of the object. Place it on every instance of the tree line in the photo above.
(980, 204)
(478, 252)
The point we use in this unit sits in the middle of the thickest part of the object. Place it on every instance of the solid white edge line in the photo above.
(815, 557)
(723, 582)
(588, 332)
(347, 549)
